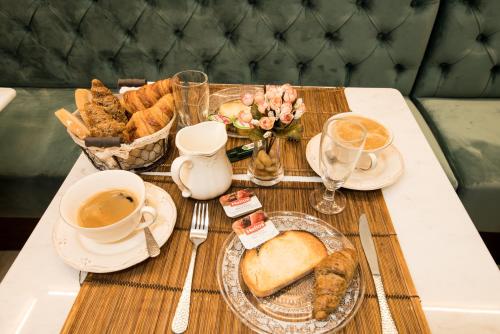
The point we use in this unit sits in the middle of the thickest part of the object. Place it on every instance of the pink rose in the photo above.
(275, 102)
(290, 94)
(271, 92)
(262, 107)
(266, 123)
(247, 99)
(286, 108)
(259, 97)
(286, 118)
(245, 116)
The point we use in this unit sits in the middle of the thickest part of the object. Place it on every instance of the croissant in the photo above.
(148, 121)
(103, 97)
(333, 276)
(146, 96)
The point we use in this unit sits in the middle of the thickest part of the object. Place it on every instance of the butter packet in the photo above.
(255, 229)
(240, 203)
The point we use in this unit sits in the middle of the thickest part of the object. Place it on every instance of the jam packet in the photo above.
(240, 203)
(255, 229)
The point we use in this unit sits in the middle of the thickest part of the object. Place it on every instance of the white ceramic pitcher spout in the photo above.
(202, 170)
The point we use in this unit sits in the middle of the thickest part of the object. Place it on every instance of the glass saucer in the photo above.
(228, 95)
(290, 309)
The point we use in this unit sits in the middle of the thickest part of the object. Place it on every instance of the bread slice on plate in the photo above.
(281, 261)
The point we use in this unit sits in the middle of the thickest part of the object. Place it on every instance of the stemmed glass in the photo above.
(341, 144)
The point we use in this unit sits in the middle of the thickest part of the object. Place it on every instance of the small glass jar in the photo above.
(266, 167)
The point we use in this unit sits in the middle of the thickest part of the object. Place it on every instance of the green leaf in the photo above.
(292, 131)
(256, 134)
(255, 112)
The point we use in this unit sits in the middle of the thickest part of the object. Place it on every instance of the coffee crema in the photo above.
(377, 135)
(106, 207)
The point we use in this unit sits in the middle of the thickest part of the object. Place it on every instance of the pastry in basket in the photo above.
(103, 97)
(148, 121)
(100, 122)
(332, 275)
(72, 123)
(82, 97)
(146, 96)
(103, 114)
(281, 261)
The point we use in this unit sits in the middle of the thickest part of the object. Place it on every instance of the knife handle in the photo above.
(388, 326)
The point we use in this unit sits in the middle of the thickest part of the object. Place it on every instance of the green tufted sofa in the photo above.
(426, 49)
(458, 92)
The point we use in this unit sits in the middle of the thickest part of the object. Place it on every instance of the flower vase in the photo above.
(266, 167)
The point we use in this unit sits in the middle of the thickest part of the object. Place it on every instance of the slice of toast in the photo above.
(281, 261)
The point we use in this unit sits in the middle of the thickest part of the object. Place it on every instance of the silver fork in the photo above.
(197, 235)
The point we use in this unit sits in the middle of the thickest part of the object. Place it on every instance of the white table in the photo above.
(455, 276)
(6, 95)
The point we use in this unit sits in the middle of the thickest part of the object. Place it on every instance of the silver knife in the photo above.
(388, 325)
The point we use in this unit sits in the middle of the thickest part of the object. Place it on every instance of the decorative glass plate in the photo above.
(228, 95)
(290, 309)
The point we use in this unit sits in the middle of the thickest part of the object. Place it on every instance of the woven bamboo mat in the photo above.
(143, 298)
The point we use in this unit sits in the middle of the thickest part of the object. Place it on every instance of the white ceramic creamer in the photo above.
(202, 170)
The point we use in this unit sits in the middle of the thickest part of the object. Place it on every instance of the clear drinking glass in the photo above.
(190, 90)
(341, 144)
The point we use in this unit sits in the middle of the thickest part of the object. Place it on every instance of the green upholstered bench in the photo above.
(458, 93)
(469, 132)
(36, 151)
(436, 148)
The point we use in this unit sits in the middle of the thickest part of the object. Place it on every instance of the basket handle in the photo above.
(175, 169)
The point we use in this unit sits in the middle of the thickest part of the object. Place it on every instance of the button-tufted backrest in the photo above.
(463, 57)
(59, 43)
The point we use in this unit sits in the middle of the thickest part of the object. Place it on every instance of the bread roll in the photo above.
(72, 123)
(82, 97)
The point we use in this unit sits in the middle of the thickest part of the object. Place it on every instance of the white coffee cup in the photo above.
(95, 183)
(369, 157)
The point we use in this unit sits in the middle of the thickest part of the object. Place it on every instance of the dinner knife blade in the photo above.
(368, 246)
(388, 325)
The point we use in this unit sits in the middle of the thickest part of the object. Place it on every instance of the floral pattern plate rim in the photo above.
(288, 310)
(85, 254)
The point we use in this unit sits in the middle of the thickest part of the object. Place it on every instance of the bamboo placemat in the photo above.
(143, 298)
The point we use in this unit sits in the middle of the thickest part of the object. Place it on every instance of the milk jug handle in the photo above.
(175, 169)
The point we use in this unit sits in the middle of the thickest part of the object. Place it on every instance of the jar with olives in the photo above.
(266, 167)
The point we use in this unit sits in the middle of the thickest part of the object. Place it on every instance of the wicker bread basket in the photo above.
(141, 155)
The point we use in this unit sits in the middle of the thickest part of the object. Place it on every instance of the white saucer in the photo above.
(389, 168)
(85, 254)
